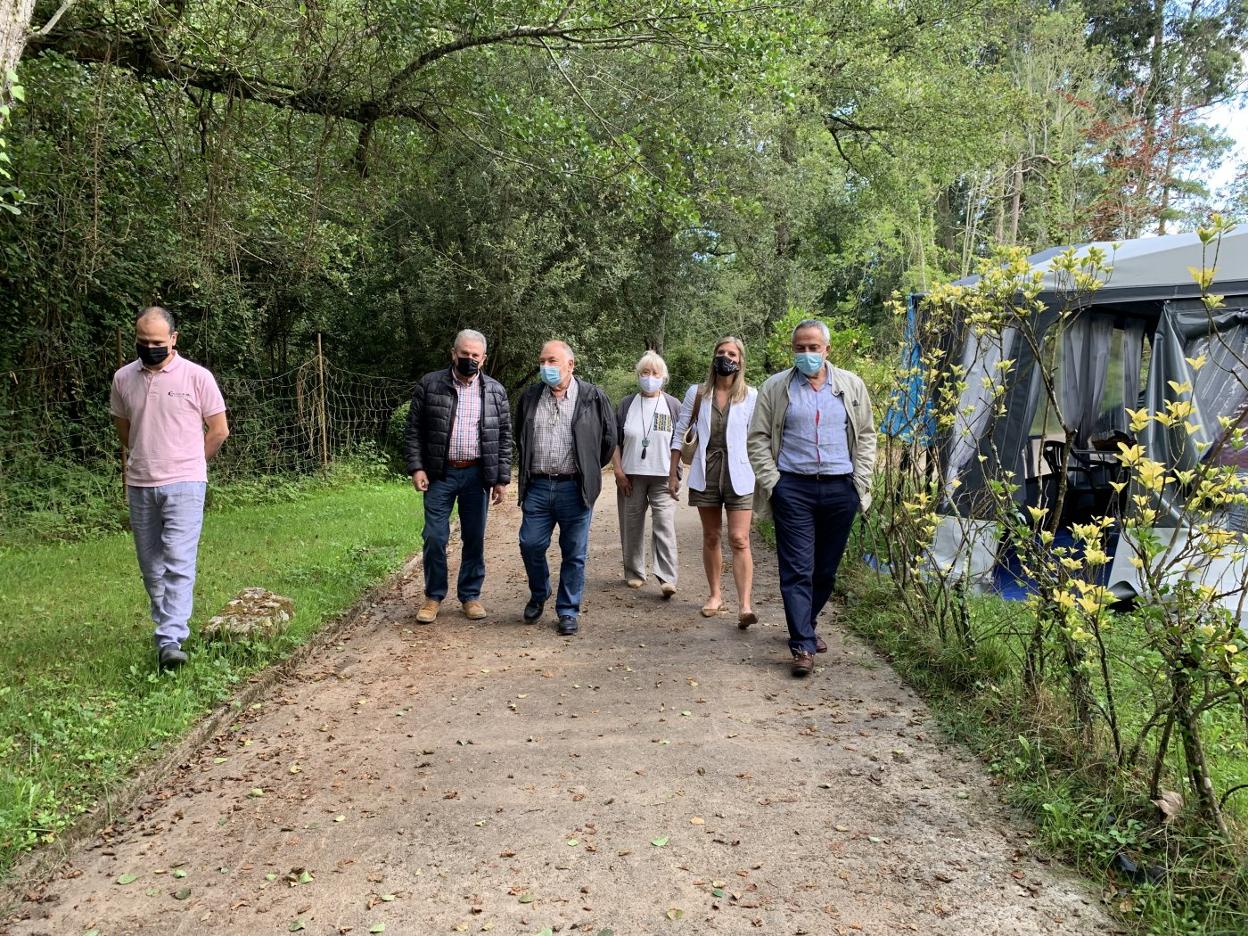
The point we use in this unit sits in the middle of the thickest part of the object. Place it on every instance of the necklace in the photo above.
(647, 424)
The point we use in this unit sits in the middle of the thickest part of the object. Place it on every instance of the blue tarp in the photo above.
(909, 414)
(1008, 580)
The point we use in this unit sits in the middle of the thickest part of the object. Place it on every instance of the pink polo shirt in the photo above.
(167, 409)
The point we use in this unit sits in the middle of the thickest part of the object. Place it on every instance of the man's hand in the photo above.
(420, 481)
(496, 494)
(624, 483)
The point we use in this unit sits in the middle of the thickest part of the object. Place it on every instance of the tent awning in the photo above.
(1155, 267)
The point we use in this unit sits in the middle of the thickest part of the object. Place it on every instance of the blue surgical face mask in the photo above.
(649, 383)
(552, 375)
(808, 362)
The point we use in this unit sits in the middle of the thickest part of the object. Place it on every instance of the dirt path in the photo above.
(660, 773)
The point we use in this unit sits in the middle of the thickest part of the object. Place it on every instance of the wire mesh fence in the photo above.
(59, 453)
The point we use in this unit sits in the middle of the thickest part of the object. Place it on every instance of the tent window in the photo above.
(1046, 421)
(1107, 383)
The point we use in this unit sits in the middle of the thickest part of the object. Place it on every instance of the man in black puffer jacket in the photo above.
(458, 444)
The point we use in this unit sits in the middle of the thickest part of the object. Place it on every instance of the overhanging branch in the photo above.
(137, 53)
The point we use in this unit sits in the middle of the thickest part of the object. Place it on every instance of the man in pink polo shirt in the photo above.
(171, 420)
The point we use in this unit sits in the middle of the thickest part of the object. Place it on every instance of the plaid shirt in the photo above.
(553, 452)
(465, 443)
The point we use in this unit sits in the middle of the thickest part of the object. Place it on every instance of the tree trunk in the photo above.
(998, 204)
(1016, 202)
(945, 233)
(14, 30)
(663, 264)
(779, 271)
(1146, 164)
(1188, 723)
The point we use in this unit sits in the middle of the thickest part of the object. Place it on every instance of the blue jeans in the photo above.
(463, 485)
(813, 518)
(166, 521)
(547, 503)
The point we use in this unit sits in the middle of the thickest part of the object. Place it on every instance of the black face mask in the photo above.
(466, 366)
(151, 357)
(725, 366)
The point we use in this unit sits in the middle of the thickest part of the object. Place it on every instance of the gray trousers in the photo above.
(649, 493)
(166, 522)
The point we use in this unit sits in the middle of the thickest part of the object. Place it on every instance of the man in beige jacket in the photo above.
(812, 446)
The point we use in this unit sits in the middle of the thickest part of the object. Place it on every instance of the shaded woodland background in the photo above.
(625, 175)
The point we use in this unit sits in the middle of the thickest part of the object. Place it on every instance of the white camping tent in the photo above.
(1154, 267)
(1122, 347)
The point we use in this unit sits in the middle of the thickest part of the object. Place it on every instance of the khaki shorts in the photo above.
(719, 491)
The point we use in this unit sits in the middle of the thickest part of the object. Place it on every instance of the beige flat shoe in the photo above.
(667, 589)
(428, 612)
(634, 583)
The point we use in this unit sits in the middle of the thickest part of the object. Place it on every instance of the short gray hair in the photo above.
(158, 312)
(654, 361)
(812, 323)
(566, 347)
(468, 334)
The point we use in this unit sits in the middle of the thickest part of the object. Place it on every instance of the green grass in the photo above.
(81, 705)
(1085, 811)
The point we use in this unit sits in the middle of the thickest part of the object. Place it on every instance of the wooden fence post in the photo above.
(320, 369)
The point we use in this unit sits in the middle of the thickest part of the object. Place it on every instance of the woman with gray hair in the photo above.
(645, 421)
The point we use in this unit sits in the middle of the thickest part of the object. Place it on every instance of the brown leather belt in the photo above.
(463, 464)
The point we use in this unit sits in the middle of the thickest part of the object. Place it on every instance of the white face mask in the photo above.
(650, 383)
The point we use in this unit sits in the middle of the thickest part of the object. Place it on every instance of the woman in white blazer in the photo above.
(720, 477)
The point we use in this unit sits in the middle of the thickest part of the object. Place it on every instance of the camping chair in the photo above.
(1041, 477)
(1090, 474)
(1079, 500)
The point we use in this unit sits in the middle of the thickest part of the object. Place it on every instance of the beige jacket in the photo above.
(767, 432)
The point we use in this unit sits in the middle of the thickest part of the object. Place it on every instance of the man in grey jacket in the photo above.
(458, 443)
(812, 447)
(565, 434)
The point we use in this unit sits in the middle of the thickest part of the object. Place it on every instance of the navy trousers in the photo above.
(813, 518)
(462, 486)
(547, 504)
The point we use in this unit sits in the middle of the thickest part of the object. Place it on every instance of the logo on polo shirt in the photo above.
(180, 394)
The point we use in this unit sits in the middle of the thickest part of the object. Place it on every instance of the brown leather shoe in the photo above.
(428, 612)
(820, 646)
(803, 664)
(474, 610)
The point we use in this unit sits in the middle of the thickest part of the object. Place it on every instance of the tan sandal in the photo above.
(708, 611)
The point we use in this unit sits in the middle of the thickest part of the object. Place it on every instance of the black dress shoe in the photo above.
(170, 657)
(568, 626)
(533, 610)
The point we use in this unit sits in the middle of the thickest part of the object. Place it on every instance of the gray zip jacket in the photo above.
(767, 433)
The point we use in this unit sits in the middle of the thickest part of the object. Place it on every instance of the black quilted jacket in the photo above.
(429, 424)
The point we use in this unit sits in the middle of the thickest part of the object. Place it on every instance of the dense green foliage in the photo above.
(623, 175)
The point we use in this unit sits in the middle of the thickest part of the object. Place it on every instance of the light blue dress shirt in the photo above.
(816, 433)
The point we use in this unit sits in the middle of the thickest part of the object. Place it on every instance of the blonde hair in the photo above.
(655, 362)
(739, 388)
